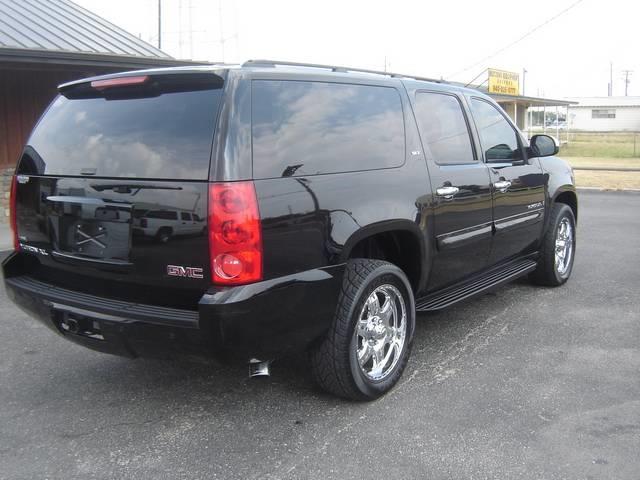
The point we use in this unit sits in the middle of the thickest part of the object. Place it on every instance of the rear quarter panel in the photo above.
(309, 221)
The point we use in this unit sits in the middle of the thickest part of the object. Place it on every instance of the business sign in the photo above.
(504, 83)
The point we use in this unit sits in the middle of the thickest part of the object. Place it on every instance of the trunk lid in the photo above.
(111, 193)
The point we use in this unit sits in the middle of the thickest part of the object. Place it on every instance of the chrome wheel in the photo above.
(564, 246)
(381, 332)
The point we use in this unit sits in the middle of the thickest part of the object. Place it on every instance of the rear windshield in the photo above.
(167, 136)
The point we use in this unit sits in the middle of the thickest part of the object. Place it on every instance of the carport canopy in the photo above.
(520, 109)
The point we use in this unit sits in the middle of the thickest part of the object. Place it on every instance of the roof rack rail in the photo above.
(334, 68)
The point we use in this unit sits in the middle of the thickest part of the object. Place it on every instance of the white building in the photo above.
(605, 114)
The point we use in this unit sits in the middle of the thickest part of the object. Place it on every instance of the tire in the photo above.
(164, 235)
(550, 272)
(335, 363)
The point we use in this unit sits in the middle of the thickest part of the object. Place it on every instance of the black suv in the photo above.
(257, 210)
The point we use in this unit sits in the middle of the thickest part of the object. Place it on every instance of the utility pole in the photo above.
(159, 24)
(611, 79)
(222, 39)
(626, 74)
(180, 44)
(524, 76)
(190, 32)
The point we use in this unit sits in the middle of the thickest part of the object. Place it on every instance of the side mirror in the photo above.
(542, 146)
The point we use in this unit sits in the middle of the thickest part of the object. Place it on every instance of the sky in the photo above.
(567, 57)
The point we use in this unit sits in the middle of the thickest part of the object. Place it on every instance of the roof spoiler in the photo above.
(157, 80)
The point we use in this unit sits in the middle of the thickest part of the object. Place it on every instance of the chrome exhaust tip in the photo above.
(70, 325)
(259, 368)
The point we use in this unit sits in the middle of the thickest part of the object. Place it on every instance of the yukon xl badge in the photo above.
(29, 248)
(188, 272)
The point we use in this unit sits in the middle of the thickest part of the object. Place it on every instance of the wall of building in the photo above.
(517, 114)
(627, 119)
(24, 95)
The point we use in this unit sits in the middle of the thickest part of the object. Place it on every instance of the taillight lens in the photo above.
(235, 236)
(12, 213)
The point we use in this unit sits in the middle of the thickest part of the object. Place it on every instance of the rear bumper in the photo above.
(262, 320)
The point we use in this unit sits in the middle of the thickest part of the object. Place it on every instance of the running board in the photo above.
(487, 281)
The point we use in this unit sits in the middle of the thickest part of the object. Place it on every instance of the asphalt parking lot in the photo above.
(525, 382)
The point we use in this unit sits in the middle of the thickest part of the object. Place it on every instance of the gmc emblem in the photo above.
(180, 271)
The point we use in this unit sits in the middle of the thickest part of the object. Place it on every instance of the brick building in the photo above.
(47, 42)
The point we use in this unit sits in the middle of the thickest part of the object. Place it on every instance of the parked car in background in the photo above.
(557, 125)
(163, 223)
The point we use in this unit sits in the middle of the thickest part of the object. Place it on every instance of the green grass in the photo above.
(608, 180)
(612, 162)
(603, 145)
(603, 150)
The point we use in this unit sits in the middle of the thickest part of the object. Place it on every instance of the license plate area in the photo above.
(89, 227)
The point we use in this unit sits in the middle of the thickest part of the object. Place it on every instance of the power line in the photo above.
(530, 32)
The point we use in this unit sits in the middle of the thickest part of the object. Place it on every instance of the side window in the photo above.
(162, 214)
(443, 128)
(499, 139)
(309, 128)
(185, 216)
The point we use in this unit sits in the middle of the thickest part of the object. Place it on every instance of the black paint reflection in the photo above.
(309, 128)
(109, 230)
(167, 136)
(497, 136)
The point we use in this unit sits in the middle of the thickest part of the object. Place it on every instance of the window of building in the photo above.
(603, 113)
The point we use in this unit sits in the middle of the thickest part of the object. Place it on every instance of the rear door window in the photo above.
(166, 135)
(302, 128)
(443, 127)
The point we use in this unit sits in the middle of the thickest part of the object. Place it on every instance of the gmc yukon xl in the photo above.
(256, 210)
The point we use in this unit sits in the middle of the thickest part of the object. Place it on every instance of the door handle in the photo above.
(502, 185)
(447, 192)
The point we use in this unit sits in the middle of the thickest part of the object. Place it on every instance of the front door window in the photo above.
(499, 139)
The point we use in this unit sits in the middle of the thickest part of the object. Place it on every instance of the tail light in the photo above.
(235, 236)
(119, 82)
(12, 213)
